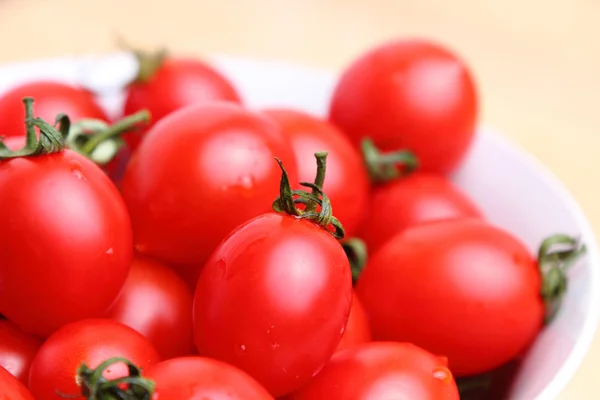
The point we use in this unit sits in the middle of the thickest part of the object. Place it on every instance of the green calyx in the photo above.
(356, 251)
(288, 198)
(384, 167)
(555, 256)
(51, 139)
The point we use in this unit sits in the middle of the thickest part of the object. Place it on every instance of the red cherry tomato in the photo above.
(411, 201)
(11, 388)
(17, 350)
(92, 342)
(274, 300)
(177, 83)
(409, 95)
(51, 99)
(459, 285)
(156, 302)
(308, 135)
(358, 330)
(200, 173)
(190, 378)
(382, 370)
(64, 223)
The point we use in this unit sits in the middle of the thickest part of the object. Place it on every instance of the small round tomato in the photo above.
(382, 370)
(201, 172)
(357, 330)
(464, 278)
(52, 98)
(156, 302)
(53, 373)
(409, 95)
(173, 83)
(17, 350)
(308, 134)
(189, 378)
(11, 388)
(410, 201)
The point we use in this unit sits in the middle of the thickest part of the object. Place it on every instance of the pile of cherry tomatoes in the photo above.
(199, 249)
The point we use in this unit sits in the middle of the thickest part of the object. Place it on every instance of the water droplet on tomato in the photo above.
(443, 374)
(222, 267)
(78, 174)
(274, 345)
(110, 251)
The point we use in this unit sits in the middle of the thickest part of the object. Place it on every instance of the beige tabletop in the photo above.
(537, 61)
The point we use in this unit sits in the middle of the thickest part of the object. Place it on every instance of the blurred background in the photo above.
(537, 61)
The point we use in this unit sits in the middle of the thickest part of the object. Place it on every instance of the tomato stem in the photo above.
(556, 255)
(356, 251)
(288, 198)
(384, 167)
(148, 62)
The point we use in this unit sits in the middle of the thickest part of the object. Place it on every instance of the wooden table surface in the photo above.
(537, 61)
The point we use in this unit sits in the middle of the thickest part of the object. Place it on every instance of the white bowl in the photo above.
(513, 190)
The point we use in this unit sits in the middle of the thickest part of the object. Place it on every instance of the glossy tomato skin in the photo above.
(382, 370)
(157, 302)
(190, 378)
(92, 342)
(178, 83)
(409, 95)
(347, 182)
(200, 173)
(17, 350)
(410, 201)
(274, 300)
(66, 242)
(357, 330)
(51, 98)
(461, 288)
(11, 388)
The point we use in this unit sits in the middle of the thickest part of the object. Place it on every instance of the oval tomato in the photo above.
(382, 370)
(409, 95)
(51, 98)
(156, 302)
(411, 201)
(11, 388)
(307, 135)
(173, 84)
(462, 277)
(201, 172)
(54, 369)
(357, 330)
(189, 378)
(17, 350)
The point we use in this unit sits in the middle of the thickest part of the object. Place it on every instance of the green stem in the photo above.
(383, 167)
(31, 136)
(116, 130)
(356, 251)
(319, 178)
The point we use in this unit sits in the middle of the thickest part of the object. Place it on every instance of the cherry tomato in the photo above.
(382, 370)
(274, 300)
(176, 83)
(200, 173)
(307, 135)
(409, 95)
(358, 330)
(11, 388)
(411, 201)
(189, 378)
(454, 287)
(52, 98)
(156, 302)
(91, 341)
(64, 224)
(17, 349)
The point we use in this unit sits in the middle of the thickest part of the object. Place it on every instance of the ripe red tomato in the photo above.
(156, 302)
(189, 378)
(200, 173)
(17, 350)
(174, 84)
(92, 342)
(411, 201)
(307, 135)
(409, 95)
(11, 388)
(357, 330)
(274, 300)
(382, 370)
(466, 289)
(51, 99)
(64, 223)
